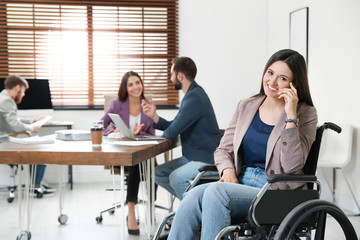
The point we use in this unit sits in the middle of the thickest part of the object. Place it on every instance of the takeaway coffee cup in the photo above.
(97, 132)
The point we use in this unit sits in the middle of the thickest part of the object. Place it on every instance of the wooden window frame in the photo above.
(160, 87)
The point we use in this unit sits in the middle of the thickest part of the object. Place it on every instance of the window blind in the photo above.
(85, 47)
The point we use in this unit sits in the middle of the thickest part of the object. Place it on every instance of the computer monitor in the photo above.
(37, 99)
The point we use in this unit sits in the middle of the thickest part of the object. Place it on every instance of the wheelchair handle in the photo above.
(207, 168)
(332, 126)
(291, 178)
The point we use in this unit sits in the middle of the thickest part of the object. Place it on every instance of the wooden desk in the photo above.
(82, 153)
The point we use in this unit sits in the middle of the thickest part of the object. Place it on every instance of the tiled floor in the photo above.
(82, 205)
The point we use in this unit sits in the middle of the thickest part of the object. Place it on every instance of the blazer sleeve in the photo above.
(11, 117)
(223, 155)
(149, 131)
(148, 128)
(189, 112)
(296, 142)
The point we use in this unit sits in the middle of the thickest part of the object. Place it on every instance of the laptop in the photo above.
(120, 124)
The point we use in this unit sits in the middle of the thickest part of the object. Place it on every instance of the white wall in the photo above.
(228, 42)
(334, 50)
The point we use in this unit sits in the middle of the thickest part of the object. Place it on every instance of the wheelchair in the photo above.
(282, 214)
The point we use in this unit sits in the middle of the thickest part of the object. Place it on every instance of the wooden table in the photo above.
(81, 153)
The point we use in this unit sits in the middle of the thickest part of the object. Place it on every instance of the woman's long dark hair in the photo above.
(123, 93)
(297, 65)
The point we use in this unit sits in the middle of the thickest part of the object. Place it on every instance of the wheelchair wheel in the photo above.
(319, 210)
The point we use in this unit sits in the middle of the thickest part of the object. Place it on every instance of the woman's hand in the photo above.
(137, 128)
(229, 175)
(291, 100)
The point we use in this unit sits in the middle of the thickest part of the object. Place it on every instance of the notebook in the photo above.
(120, 124)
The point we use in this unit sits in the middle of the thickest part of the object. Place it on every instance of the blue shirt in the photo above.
(255, 141)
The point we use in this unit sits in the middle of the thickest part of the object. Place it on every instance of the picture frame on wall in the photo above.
(299, 33)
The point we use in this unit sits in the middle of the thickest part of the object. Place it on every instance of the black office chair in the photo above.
(286, 214)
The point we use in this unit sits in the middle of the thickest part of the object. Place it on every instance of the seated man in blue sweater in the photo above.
(195, 123)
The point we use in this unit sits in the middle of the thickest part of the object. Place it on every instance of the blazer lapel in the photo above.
(246, 117)
(125, 111)
(274, 136)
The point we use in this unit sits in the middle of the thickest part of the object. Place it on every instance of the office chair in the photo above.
(286, 214)
(335, 153)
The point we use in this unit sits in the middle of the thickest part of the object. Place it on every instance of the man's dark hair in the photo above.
(14, 80)
(186, 66)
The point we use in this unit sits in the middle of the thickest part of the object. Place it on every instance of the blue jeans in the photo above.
(176, 175)
(40, 171)
(212, 206)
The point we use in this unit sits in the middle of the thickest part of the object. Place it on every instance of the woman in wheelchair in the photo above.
(269, 133)
(128, 106)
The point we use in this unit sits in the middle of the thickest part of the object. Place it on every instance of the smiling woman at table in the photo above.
(128, 106)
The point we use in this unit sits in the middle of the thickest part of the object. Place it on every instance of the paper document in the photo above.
(130, 143)
(42, 121)
(32, 140)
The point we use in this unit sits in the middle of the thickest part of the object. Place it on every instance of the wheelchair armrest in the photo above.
(202, 170)
(207, 168)
(291, 178)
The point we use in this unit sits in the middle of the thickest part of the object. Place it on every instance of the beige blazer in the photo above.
(287, 149)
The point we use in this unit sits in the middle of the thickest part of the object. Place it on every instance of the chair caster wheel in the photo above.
(24, 235)
(112, 212)
(62, 219)
(99, 219)
(10, 199)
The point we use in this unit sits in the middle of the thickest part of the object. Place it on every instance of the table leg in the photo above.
(26, 215)
(62, 219)
(171, 198)
(70, 168)
(152, 187)
(147, 174)
(122, 183)
(70, 176)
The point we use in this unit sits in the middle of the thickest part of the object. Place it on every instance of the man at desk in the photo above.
(14, 91)
(195, 123)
